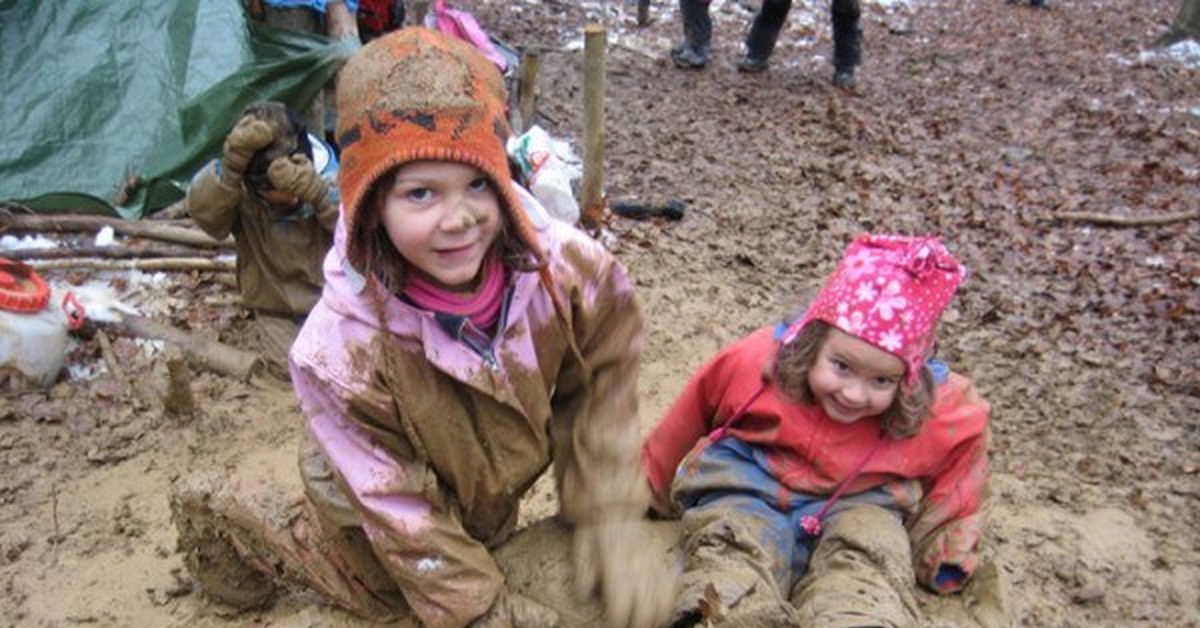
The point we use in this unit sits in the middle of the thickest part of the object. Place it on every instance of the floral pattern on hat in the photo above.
(890, 291)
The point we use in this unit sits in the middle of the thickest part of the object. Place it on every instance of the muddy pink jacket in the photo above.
(938, 476)
(434, 446)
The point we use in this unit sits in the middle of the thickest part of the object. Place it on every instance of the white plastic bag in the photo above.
(550, 167)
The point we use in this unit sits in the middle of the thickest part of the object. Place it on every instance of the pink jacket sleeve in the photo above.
(947, 528)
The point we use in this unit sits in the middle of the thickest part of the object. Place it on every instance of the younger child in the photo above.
(266, 191)
(815, 454)
(462, 343)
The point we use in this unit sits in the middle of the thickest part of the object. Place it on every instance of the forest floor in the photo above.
(988, 122)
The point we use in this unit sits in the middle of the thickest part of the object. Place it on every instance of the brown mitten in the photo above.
(295, 175)
(247, 137)
(636, 587)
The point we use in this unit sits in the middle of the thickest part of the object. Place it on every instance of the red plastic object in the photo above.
(21, 289)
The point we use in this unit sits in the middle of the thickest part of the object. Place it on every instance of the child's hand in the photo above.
(250, 135)
(637, 587)
(513, 609)
(295, 175)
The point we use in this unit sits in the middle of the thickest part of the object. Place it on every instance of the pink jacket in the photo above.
(434, 446)
(939, 476)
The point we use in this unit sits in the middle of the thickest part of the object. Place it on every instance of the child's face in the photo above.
(442, 217)
(852, 379)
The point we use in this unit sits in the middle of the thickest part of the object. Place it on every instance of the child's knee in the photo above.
(875, 532)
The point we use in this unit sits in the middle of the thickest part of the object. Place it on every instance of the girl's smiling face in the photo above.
(852, 379)
(442, 217)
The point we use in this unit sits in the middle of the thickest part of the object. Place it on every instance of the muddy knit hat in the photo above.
(415, 94)
(889, 291)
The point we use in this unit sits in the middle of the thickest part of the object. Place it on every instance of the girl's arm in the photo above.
(595, 430)
(947, 529)
(447, 577)
(684, 424)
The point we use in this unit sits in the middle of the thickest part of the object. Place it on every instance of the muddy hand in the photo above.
(249, 136)
(636, 587)
(295, 175)
(513, 609)
(987, 593)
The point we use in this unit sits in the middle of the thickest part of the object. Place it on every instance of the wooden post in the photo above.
(419, 9)
(527, 105)
(592, 190)
(643, 12)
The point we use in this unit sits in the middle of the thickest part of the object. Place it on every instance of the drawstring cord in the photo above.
(812, 523)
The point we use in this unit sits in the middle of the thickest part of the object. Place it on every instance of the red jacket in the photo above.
(938, 476)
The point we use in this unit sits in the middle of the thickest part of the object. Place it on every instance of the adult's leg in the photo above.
(764, 32)
(860, 573)
(697, 35)
(847, 40)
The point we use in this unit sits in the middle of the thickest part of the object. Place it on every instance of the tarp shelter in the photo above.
(101, 93)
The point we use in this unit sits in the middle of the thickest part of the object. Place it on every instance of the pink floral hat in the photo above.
(890, 291)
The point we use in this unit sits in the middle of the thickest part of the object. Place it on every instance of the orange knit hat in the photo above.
(415, 94)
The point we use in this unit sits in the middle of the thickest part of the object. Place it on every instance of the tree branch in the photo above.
(1125, 221)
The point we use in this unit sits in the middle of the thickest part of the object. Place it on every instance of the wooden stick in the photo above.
(211, 354)
(112, 252)
(150, 265)
(643, 17)
(110, 358)
(154, 230)
(530, 65)
(1126, 221)
(419, 9)
(592, 190)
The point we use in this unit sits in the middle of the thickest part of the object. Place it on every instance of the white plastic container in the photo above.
(33, 345)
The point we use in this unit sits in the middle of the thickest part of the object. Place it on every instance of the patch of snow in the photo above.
(100, 301)
(84, 371)
(1186, 52)
(106, 236)
(14, 243)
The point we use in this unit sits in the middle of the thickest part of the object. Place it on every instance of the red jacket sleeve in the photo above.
(947, 528)
(691, 416)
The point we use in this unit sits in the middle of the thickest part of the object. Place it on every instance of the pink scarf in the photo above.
(482, 308)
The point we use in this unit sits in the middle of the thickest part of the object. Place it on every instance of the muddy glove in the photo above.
(636, 587)
(249, 136)
(511, 609)
(295, 175)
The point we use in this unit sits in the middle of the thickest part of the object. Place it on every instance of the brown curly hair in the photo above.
(903, 419)
(372, 253)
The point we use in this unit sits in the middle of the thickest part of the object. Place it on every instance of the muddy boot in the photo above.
(860, 573)
(760, 42)
(211, 556)
(260, 515)
(697, 35)
(847, 41)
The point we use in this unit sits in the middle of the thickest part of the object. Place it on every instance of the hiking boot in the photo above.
(1039, 4)
(751, 65)
(688, 57)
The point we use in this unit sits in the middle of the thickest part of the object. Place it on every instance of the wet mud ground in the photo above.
(981, 120)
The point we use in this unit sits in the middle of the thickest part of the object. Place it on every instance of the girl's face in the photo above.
(442, 217)
(852, 379)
